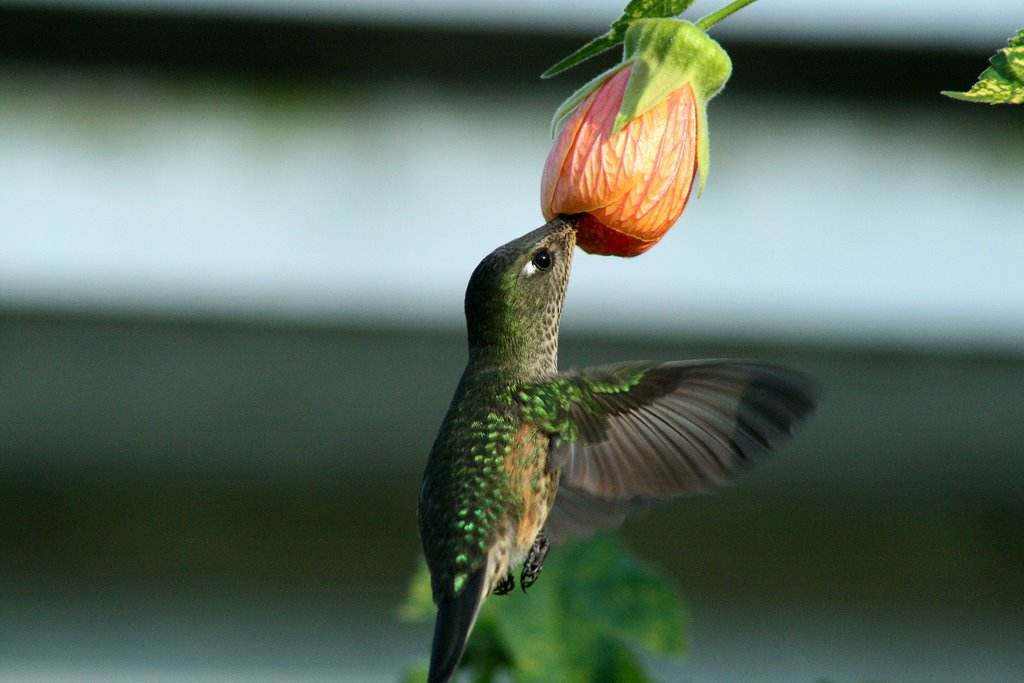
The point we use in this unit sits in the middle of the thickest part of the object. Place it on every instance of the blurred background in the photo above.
(234, 240)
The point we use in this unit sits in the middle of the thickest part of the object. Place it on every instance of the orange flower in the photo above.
(630, 143)
(632, 185)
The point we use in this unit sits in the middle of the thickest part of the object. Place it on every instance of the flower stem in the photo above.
(704, 23)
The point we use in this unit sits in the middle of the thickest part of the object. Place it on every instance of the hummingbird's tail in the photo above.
(455, 619)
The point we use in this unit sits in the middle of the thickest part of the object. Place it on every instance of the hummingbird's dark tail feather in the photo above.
(455, 619)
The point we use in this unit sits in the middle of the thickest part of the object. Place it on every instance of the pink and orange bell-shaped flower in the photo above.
(629, 145)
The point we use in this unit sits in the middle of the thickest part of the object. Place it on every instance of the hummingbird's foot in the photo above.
(534, 561)
(505, 586)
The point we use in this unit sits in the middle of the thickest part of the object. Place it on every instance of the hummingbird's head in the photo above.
(514, 298)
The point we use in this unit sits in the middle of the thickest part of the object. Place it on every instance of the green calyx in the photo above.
(665, 54)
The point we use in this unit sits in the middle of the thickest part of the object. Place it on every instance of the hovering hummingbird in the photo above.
(527, 456)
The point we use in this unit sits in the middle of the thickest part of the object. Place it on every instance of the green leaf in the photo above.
(636, 9)
(417, 674)
(591, 49)
(594, 606)
(488, 654)
(613, 590)
(643, 9)
(1003, 82)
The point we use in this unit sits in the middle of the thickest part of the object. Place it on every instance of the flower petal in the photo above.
(595, 238)
(657, 199)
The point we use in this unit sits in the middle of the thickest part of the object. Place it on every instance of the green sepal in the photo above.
(703, 150)
(1003, 82)
(636, 9)
(666, 54)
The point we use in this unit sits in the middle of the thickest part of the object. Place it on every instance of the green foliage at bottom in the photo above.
(593, 608)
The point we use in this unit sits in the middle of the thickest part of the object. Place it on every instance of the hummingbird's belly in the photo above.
(513, 547)
(535, 485)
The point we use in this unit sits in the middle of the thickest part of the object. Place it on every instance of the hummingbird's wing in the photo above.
(576, 513)
(629, 433)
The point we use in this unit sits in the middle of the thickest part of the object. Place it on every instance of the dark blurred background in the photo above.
(234, 238)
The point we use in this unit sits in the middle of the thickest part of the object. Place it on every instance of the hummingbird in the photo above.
(528, 456)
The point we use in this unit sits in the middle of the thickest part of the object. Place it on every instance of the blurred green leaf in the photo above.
(626, 597)
(592, 608)
(1003, 82)
(417, 674)
(636, 9)
(487, 654)
(419, 603)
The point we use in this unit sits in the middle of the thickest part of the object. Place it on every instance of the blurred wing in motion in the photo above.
(630, 433)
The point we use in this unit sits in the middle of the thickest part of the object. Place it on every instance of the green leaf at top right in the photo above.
(1003, 82)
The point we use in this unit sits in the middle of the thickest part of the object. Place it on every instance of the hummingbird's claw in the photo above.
(505, 586)
(534, 561)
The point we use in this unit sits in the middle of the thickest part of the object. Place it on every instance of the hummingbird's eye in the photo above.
(542, 259)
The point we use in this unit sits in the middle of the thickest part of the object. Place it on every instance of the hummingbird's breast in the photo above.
(528, 476)
(485, 492)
